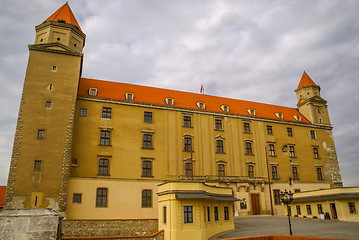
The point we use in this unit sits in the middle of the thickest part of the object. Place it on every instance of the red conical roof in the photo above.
(306, 81)
(64, 13)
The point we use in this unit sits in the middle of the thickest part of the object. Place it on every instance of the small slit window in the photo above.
(225, 108)
(201, 105)
(169, 101)
(279, 115)
(130, 96)
(93, 91)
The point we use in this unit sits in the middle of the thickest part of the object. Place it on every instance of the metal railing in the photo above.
(215, 178)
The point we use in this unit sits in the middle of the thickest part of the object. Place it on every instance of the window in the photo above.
(276, 194)
(93, 91)
(146, 198)
(312, 134)
(271, 150)
(147, 117)
(290, 132)
(274, 172)
(83, 112)
(75, 162)
(103, 167)
(38, 165)
(105, 138)
(106, 113)
(269, 130)
(319, 173)
(188, 168)
(164, 215)
(201, 105)
(309, 210)
(48, 104)
(243, 204)
(295, 173)
(187, 214)
(53, 68)
(279, 115)
(218, 124)
(296, 190)
(169, 101)
(351, 207)
(250, 171)
(299, 212)
(216, 217)
(246, 128)
(187, 121)
(315, 152)
(101, 197)
(219, 144)
(147, 141)
(248, 147)
(76, 198)
(225, 108)
(129, 96)
(291, 151)
(221, 172)
(187, 144)
(226, 213)
(41, 133)
(320, 209)
(146, 168)
(252, 112)
(208, 213)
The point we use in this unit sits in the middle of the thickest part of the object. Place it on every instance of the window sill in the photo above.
(293, 156)
(272, 155)
(275, 178)
(98, 175)
(247, 154)
(146, 207)
(247, 132)
(318, 158)
(105, 145)
(188, 151)
(187, 126)
(222, 130)
(106, 118)
(147, 176)
(220, 153)
(147, 148)
(101, 206)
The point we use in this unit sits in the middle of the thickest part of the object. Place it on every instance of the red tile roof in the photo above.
(185, 100)
(64, 13)
(306, 81)
(2, 196)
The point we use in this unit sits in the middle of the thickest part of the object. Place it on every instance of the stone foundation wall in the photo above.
(107, 227)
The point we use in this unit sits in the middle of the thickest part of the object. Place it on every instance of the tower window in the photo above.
(147, 169)
(295, 173)
(250, 169)
(74, 44)
(218, 124)
(41, 133)
(101, 197)
(83, 112)
(147, 117)
(103, 167)
(146, 198)
(316, 152)
(291, 151)
(221, 172)
(105, 138)
(106, 113)
(290, 132)
(187, 144)
(219, 144)
(274, 172)
(246, 127)
(58, 39)
(37, 165)
(53, 68)
(187, 121)
(269, 130)
(188, 168)
(48, 104)
(271, 151)
(147, 141)
(248, 147)
(77, 198)
(319, 173)
(312, 134)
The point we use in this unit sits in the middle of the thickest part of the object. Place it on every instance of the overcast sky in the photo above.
(251, 50)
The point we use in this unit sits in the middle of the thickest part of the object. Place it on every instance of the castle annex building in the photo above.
(95, 149)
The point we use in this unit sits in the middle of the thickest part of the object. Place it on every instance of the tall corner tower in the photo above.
(41, 157)
(310, 103)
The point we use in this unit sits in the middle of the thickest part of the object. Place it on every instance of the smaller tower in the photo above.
(310, 103)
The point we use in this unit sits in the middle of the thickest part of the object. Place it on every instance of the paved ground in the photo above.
(266, 225)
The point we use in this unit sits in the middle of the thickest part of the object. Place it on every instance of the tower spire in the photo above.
(64, 14)
(306, 81)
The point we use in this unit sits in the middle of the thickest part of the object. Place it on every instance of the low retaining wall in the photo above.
(156, 236)
(280, 237)
(109, 227)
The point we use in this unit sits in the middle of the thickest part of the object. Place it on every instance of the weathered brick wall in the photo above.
(100, 228)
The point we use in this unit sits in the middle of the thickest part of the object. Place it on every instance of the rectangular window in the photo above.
(274, 172)
(146, 198)
(309, 210)
(147, 141)
(38, 165)
(351, 207)
(276, 194)
(101, 197)
(75, 162)
(77, 198)
(164, 215)
(208, 213)
(188, 214)
(219, 144)
(290, 132)
(295, 173)
(218, 124)
(269, 130)
(291, 151)
(105, 138)
(187, 121)
(147, 117)
(129, 96)
(188, 167)
(48, 104)
(319, 174)
(226, 213)
(250, 171)
(103, 167)
(298, 210)
(92, 91)
(216, 217)
(40, 133)
(271, 150)
(147, 169)
(221, 172)
(312, 134)
(248, 146)
(315, 152)
(320, 209)
(246, 127)
(106, 113)
(187, 144)
(83, 112)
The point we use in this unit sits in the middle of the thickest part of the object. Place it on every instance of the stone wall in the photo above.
(107, 227)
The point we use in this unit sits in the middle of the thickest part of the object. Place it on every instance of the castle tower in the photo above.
(41, 155)
(310, 103)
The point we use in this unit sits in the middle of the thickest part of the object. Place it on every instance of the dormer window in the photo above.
(251, 111)
(93, 91)
(129, 96)
(225, 108)
(297, 117)
(279, 115)
(201, 105)
(169, 101)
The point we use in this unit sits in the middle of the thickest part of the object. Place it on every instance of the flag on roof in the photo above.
(202, 89)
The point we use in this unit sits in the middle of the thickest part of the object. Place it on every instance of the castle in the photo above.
(94, 149)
